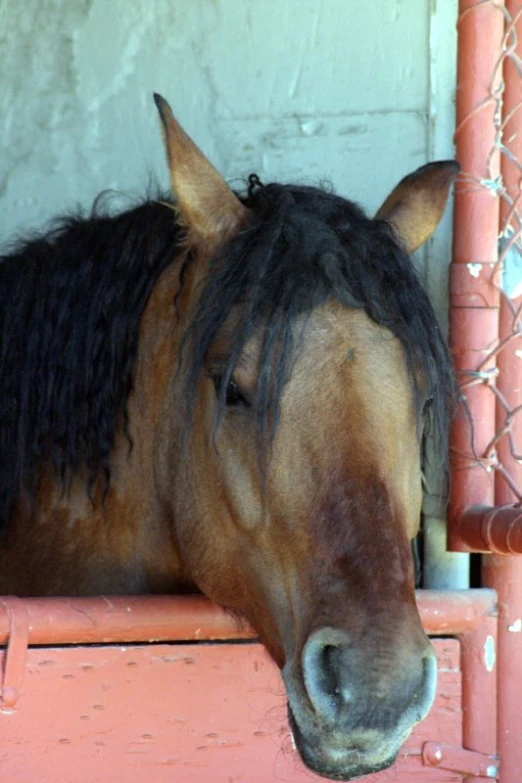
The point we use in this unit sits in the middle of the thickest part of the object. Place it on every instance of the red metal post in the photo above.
(508, 481)
(474, 302)
(479, 689)
(472, 615)
(486, 344)
(504, 573)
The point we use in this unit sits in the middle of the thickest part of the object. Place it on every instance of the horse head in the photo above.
(293, 479)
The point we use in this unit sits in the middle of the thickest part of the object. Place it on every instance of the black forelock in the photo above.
(305, 246)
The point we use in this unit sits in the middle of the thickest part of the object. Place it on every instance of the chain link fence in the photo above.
(486, 287)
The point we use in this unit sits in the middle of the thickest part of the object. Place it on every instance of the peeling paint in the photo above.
(312, 128)
(489, 654)
(511, 271)
(516, 627)
(474, 269)
(353, 130)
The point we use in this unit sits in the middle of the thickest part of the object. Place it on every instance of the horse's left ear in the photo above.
(207, 207)
(416, 205)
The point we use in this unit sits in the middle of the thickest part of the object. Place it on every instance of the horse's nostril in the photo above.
(338, 682)
(422, 696)
(332, 673)
(324, 672)
(429, 685)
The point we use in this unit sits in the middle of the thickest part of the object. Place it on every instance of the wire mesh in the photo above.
(495, 361)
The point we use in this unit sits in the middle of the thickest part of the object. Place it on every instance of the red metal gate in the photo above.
(86, 697)
(486, 333)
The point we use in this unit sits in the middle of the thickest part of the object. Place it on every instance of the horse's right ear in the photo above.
(416, 205)
(207, 207)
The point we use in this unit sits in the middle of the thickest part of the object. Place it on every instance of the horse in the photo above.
(228, 393)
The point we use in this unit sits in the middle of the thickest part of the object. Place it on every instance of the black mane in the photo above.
(70, 304)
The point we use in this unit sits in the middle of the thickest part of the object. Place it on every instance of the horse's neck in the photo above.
(65, 544)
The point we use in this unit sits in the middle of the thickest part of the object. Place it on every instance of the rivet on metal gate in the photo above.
(489, 654)
(9, 697)
(433, 754)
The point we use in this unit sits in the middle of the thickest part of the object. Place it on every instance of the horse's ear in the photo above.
(207, 207)
(416, 205)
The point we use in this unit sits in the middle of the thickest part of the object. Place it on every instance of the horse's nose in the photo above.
(337, 679)
(326, 679)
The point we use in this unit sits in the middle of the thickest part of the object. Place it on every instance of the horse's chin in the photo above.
(331, 760)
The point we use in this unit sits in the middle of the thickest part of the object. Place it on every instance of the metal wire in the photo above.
(498, 369)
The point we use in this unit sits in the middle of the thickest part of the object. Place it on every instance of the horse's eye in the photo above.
(233, 394)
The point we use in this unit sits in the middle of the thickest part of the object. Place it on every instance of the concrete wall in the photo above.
(358, 93)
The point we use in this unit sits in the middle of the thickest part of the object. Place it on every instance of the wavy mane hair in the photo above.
(71, 302)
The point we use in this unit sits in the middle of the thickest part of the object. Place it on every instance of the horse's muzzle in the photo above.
(350, 714)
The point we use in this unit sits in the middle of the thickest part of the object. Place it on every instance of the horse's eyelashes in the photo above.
(233, 394)
(427, 405)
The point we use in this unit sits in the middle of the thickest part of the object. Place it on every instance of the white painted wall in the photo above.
(294, 89)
